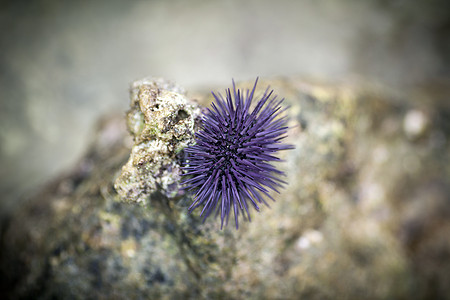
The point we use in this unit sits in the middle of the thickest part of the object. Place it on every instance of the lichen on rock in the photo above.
(162, 121)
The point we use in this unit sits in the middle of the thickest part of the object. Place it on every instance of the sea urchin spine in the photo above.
(229, 166)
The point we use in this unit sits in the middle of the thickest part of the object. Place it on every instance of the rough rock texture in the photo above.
(365, 214)
(162, 122)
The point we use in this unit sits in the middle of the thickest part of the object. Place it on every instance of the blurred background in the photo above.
(64, 64)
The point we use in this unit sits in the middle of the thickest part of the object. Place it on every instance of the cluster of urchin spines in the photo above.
(230, 163)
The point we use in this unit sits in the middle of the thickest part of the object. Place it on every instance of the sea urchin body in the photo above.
(229, 166)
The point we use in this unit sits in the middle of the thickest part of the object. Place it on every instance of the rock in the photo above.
(365, 214)
(162, 122)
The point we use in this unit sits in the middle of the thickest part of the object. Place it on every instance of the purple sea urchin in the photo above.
(229, 166)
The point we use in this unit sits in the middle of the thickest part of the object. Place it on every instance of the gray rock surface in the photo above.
(162, 122)
(365, 214)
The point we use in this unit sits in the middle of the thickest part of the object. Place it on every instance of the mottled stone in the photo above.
(162, 122)
(365, 214)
